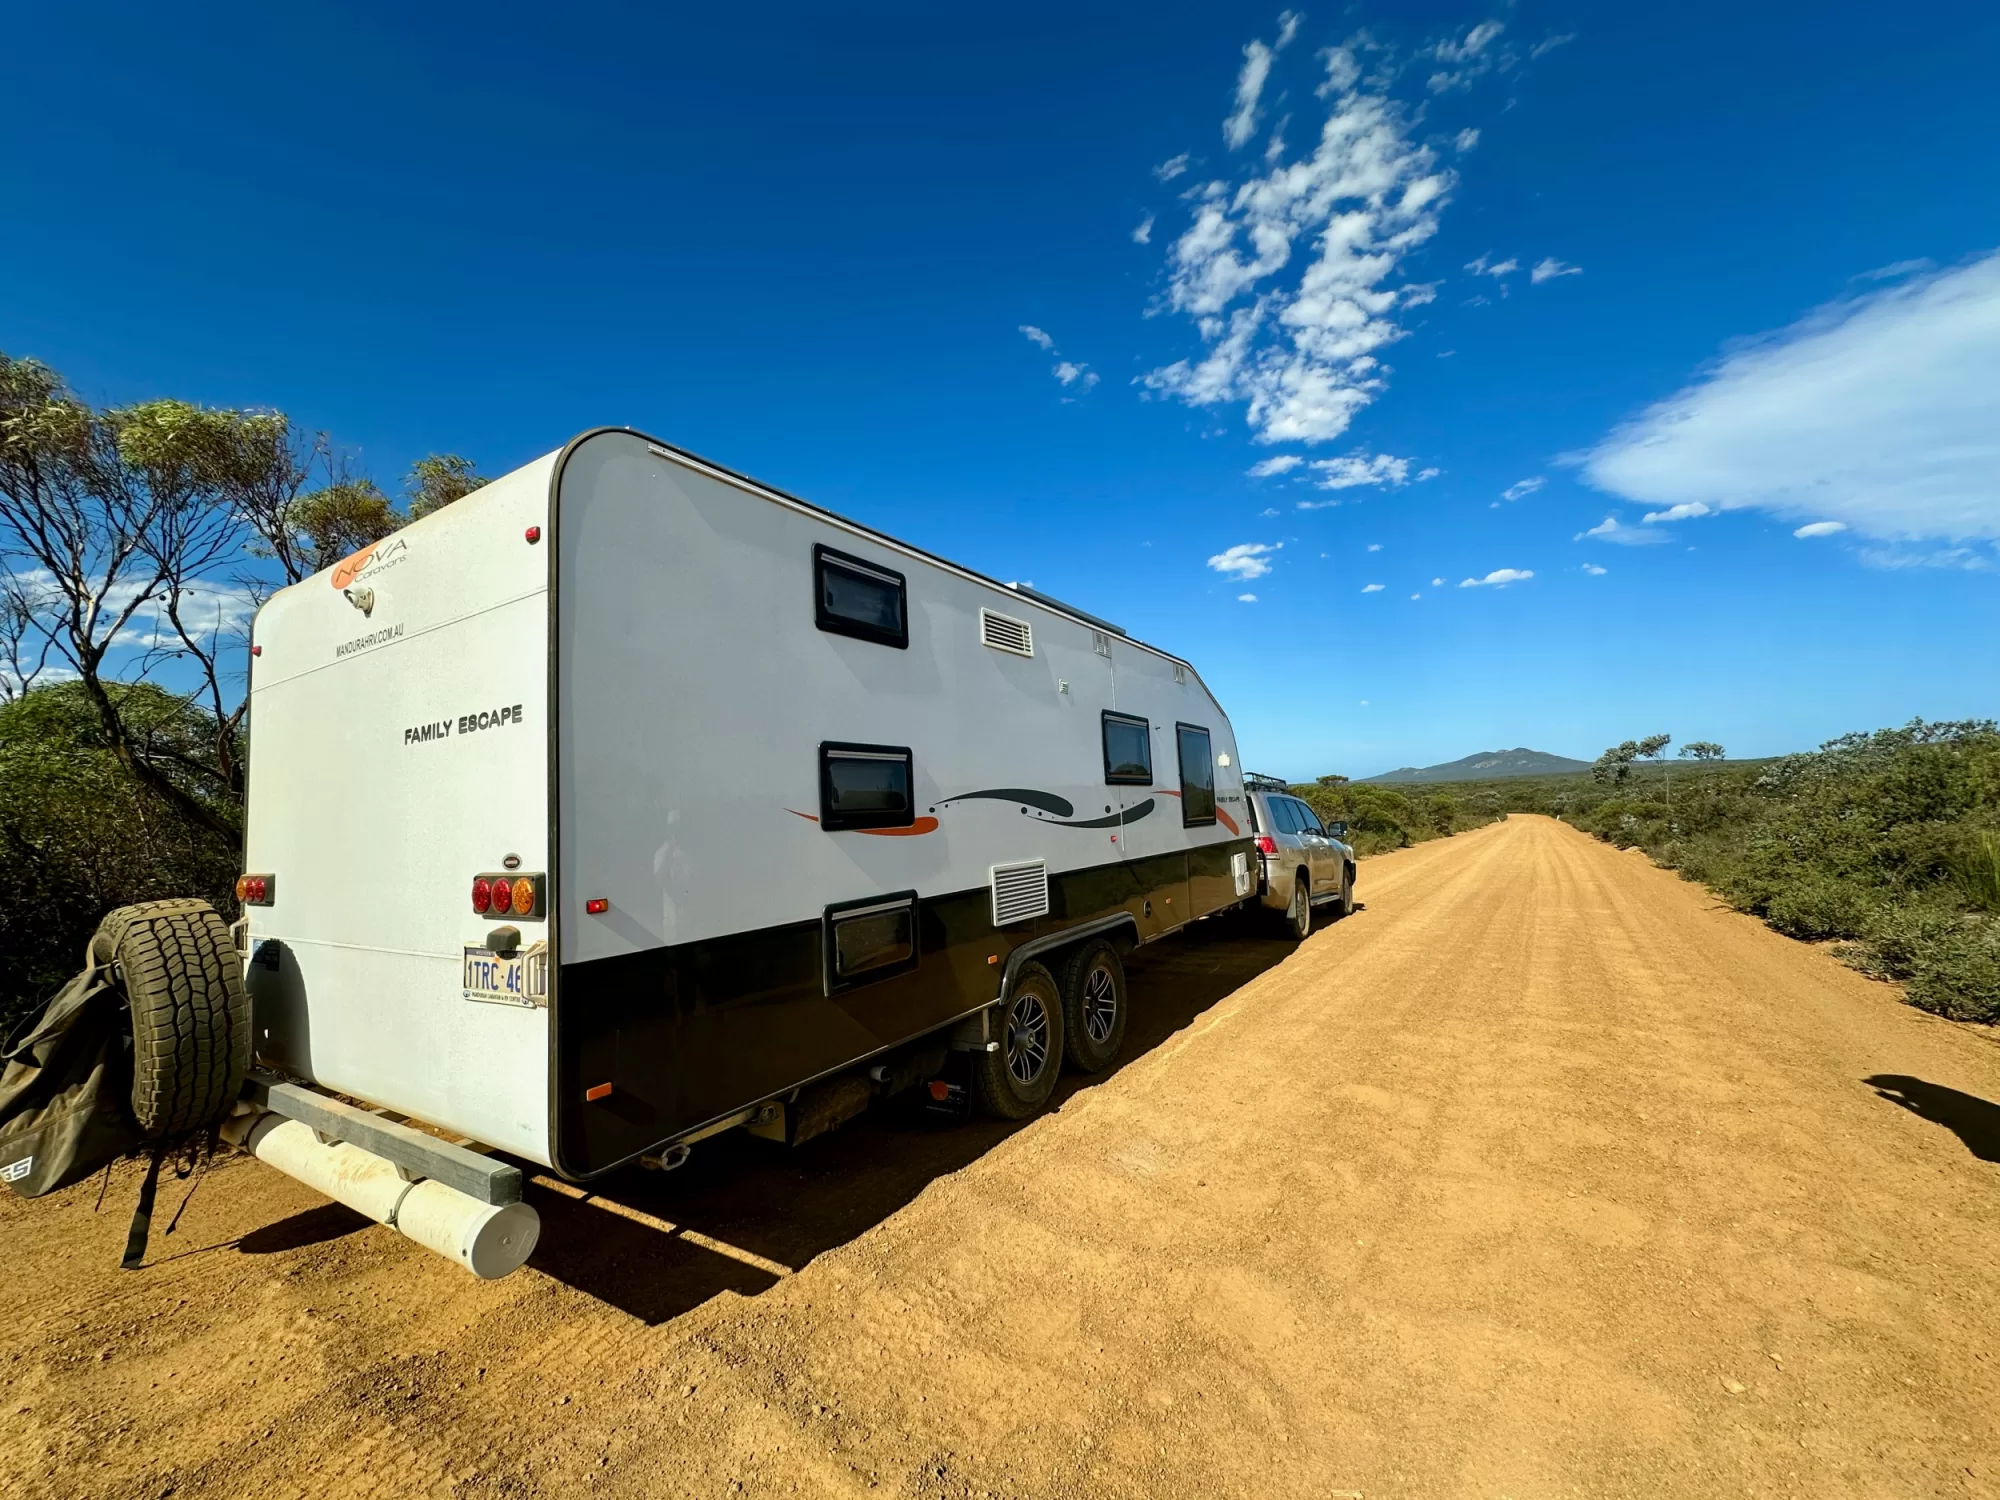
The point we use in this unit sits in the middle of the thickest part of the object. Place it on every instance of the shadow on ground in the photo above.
(787, 1206)
(1972, 1119)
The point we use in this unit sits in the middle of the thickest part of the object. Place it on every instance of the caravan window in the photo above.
(870, 939)
(865, 786)
(1128, 751)
(859, 598)
(1197, 776)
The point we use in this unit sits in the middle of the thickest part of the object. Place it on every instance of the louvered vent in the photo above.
(1005, 633)
(1020, 891)
(1100, 643)
(1180, 672)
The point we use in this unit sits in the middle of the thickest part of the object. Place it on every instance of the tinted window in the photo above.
(873, 940)
(1197, 776)
(1128, 751)
(859, 598)
(865, 786)
(1282, 820)
(1308, 819)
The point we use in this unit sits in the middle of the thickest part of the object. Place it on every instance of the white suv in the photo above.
(1302, 862)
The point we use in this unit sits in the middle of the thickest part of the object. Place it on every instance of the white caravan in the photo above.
(627, 799)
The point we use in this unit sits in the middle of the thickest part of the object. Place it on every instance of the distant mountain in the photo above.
(1488, 765)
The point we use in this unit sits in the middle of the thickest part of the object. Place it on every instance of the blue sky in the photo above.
(808, 243)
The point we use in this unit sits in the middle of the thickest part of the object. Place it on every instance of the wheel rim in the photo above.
(1027, 1037)
(1100, 1004)
(1302, 913)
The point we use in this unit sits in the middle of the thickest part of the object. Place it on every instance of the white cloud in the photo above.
(1246, 598)
(1246, 560)
(1437, 583)
(1466, 139)
(1168, 170)
(1548, 268)
(1423, 474)
(1357, 469)
(1487, 266)
(1143, 235)
(1374, 546)
(1686, 511)
(1593, 570)
(1036, 336)
(1080, 375)
(1499, 578)
(1610, 530)
(1522, 487)
(1298, 344)
(1466, 57)
(1371, 588)
(1550, 43)
(1880, 411)
(1257, 59)
(1821, 528)
(1278, 463)
(1416, 596)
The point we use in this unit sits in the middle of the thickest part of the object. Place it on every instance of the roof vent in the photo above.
(1005, 633)
(1020, 891)
(1100, 643)
(1180, 672)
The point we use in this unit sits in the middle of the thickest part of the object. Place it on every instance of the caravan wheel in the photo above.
(1015, 1080)
(1094, 1007)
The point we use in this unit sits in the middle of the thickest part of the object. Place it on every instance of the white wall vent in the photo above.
(1005, 633)
(1180, 672)
(1100, 643)
(1020, 891)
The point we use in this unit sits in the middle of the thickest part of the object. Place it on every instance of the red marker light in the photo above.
(256, 650)
(503, 895)
(482, 895)
(597, 906)
(600, 1091)
(534, 534)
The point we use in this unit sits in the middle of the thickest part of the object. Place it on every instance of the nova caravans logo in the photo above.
(376, 557)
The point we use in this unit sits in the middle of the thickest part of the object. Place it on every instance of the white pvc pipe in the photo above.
(489, 1240)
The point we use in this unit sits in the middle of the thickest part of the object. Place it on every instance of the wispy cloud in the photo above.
(1549, 43)
(1486, 265)
(1522, 488)
(1246, 598)
(1299, 346)
(1069, 372)
(1257, 59)
(1499, 578)
(1143, 235)
(1172, 167)
(1358, 469)
(1374, 546)
(1820, 528)
(1593, 570)
(1036, 336)
(1686, 511)
(1548, 268)
(1881, 412)
(1372, 588)
(1466, 139)
(1246, 560)
(1467, 57)
(1610, 529)
(1277, 463)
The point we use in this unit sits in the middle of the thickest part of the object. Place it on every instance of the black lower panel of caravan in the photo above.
(689, 1033)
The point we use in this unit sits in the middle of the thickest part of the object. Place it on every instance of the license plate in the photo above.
(518, 978)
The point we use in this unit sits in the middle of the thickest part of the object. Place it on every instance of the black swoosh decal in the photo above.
(1129, 815)
(1048, 802)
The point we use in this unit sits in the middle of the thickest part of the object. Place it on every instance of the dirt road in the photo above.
(1540, 1176)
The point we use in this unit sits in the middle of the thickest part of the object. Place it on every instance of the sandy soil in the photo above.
(1540, 1176)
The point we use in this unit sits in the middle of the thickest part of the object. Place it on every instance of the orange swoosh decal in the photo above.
(922, 825)
(809, 817)
(345, 572)
(1227, 821)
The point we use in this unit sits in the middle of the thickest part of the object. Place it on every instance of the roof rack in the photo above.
(1266, 783)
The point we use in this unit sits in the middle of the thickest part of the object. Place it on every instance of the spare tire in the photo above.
(190, 1013)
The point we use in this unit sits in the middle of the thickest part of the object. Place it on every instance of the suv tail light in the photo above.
(521, 896)
(1266, 844)
(256, 890)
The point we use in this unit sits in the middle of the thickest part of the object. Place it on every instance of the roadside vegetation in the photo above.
(1887, 844)
(1381, 818)
(135, 544)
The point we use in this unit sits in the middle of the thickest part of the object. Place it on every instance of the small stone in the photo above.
(1734, 1387)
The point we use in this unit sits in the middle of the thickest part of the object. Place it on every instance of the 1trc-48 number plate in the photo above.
(518, 978)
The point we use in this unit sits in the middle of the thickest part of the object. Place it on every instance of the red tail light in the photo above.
(256, 890)
(482, 895)
(1266, 844)
(502, 895)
